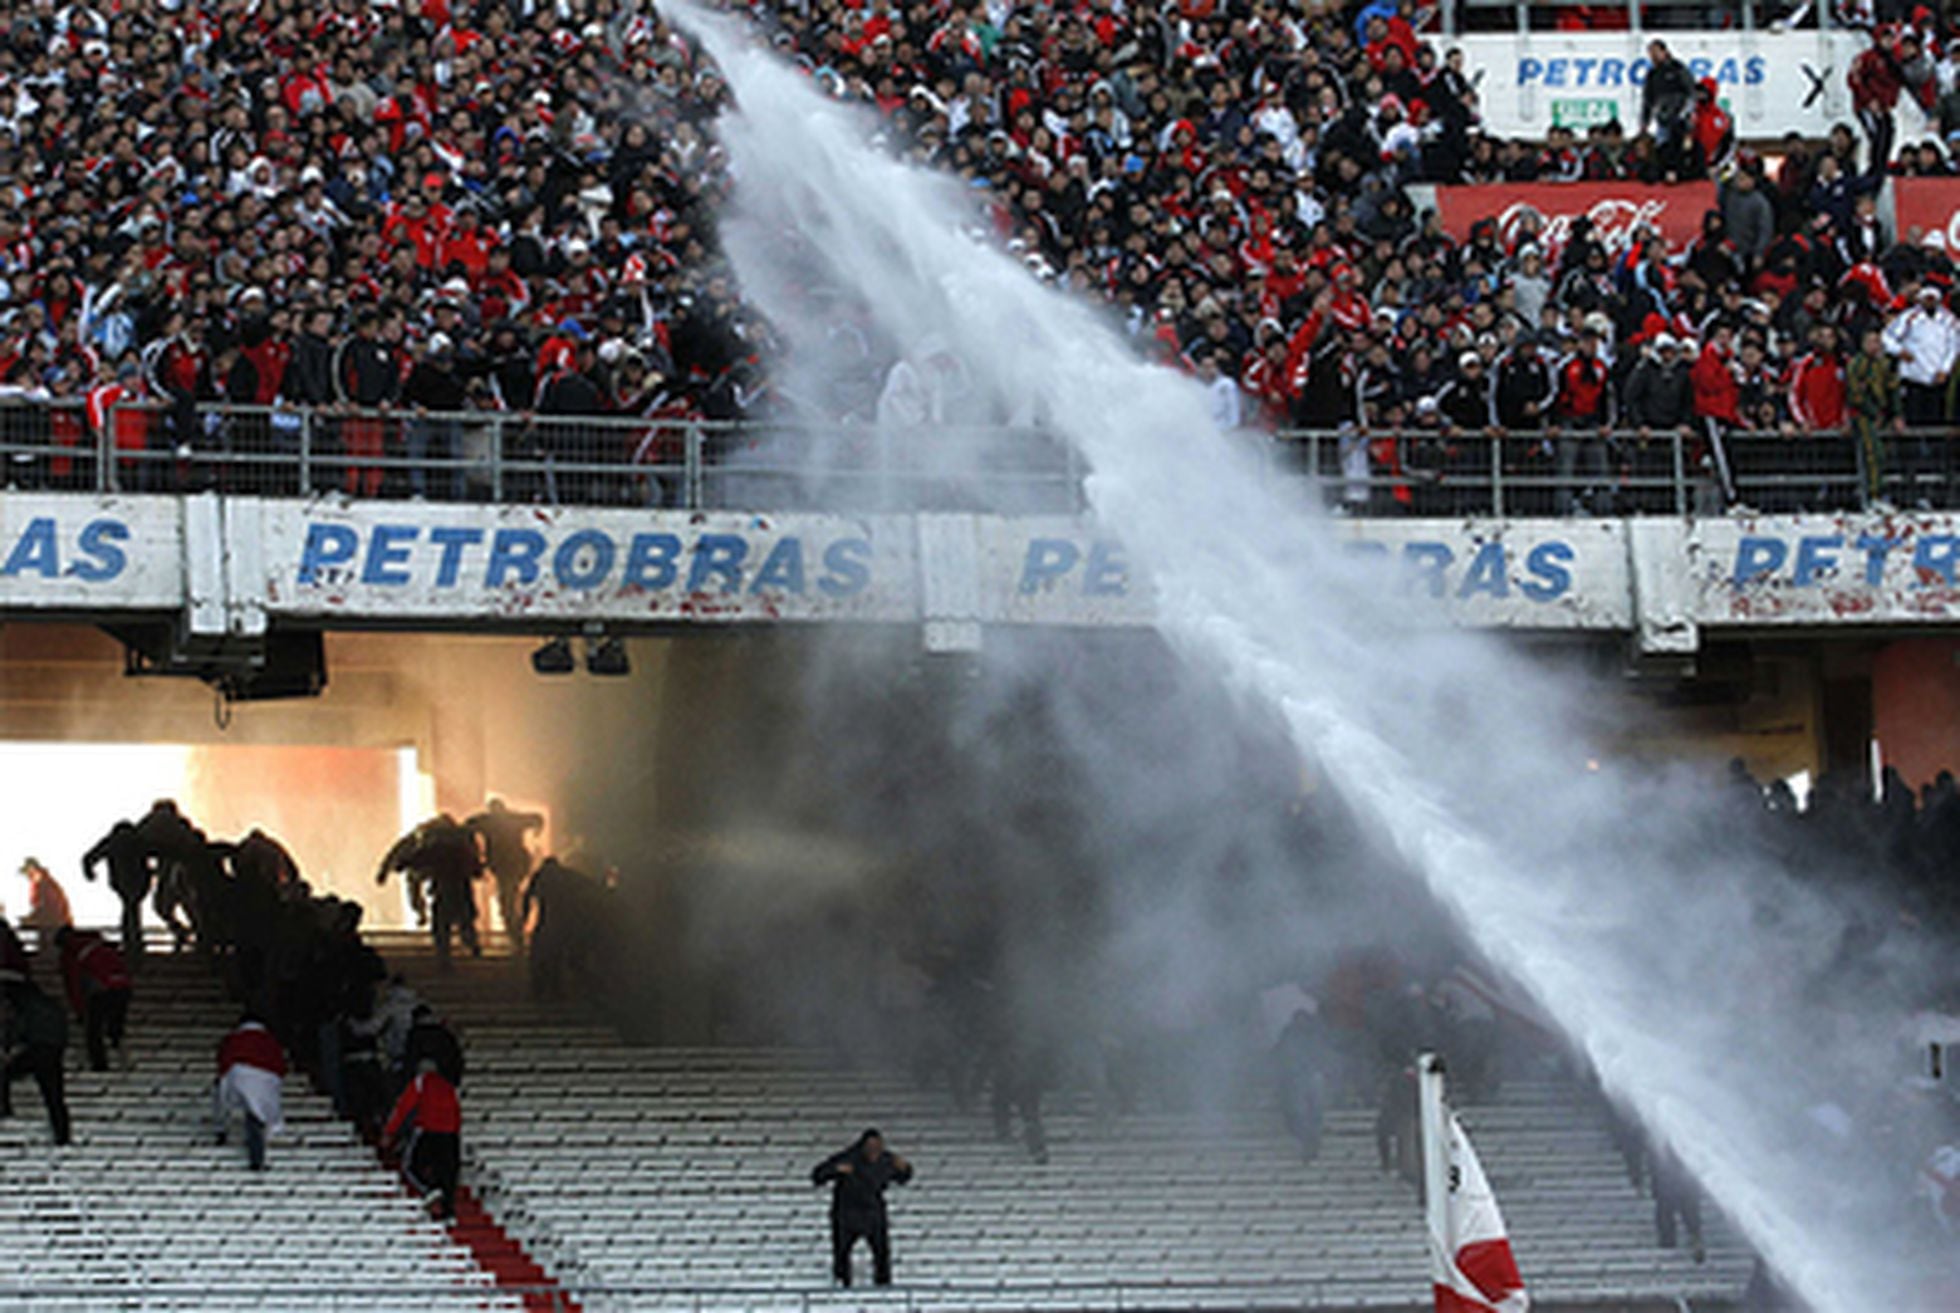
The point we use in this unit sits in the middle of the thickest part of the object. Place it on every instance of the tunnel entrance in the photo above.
(744, 791)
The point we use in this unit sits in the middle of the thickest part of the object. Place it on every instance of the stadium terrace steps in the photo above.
(678, 1178)
(145, 1211)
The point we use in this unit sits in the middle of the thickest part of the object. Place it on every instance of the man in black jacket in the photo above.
(504, 852)
(309, 380)
(436, 392)
(367, 379)
(128, 858)
(858, 1177)
(439, 857)
(567, 398)
(1667, 98)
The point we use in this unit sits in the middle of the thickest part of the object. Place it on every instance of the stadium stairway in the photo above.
(145, 1211)
(647, 1178)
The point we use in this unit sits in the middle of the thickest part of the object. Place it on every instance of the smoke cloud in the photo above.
(1167, 825)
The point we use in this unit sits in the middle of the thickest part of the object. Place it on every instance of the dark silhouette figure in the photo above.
(858, 1177)
(190, 878)
(1297, 1057)
(1677, 1202)
(571, 918)
(14, 963)
(97, 983)
(440, 855)
(130, 875)
(1021, 1073)
(36, 1037)
(502, 831)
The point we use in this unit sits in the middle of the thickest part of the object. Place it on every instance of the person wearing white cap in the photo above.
(1925, 339)
(1465, 402)
(1660, 392)
(436, 392)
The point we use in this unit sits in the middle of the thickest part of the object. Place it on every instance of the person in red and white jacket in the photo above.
(1817, 384)
(97, 981)
(1582, 411)
(1717, 391)
(251, 1080)
(432, 1158)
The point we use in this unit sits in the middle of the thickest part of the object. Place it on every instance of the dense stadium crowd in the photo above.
(438, 207)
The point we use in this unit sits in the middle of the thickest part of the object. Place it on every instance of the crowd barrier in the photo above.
(509, 457)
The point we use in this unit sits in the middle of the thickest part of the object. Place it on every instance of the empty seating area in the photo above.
(145, 1211)
(679, 1178)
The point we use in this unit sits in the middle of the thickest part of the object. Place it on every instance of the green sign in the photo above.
(1584, 113)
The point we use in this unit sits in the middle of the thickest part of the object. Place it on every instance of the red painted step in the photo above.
(500, 1255)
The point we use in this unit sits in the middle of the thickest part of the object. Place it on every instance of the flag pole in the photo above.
(1435, 1160)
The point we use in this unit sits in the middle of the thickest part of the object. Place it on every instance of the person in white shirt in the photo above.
(1925, 340)
(1222, 393)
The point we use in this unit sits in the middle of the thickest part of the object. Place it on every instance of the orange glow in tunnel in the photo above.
(337, 810)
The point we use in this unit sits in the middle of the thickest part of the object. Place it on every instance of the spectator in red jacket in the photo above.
(251, 1079)
(1817, 384)
(97, 981)
(1712, 128)
(1718, 396)
(432, 1158)
(1876, 78)
(1582, 411)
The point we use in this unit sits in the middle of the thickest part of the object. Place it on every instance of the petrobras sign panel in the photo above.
(75, 553)
(518, 563)
(1529, 575)
(1818, 570)
(1057, 570)
(1506, 574)
(1771, 82)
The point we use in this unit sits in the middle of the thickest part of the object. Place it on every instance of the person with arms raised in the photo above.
(858, 1177)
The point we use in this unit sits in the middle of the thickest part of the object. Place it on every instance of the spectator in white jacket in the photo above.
(1925, 339)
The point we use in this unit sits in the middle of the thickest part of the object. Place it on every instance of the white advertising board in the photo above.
(1771, 82)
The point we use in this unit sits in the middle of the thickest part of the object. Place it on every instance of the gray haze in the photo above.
(1154, 797)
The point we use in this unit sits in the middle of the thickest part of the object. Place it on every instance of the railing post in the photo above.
(1497, 477)
(1680, 459)
(105, 446)
(497, 457)
(692, 479)
(306, 451)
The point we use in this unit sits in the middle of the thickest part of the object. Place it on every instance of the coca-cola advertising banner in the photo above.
(1615, 208)
(1931, 205)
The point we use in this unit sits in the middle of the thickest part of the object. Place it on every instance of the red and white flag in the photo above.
(1469, 1252)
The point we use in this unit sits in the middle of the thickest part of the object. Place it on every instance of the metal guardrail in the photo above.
(1590, 472)
(522, 457)
(516, 457)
